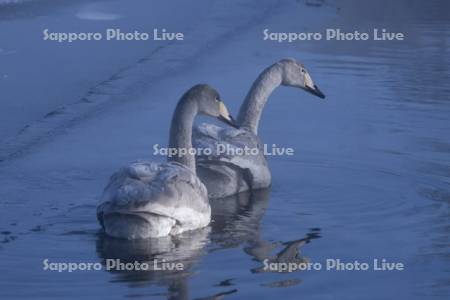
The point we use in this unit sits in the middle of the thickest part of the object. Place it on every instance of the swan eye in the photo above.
(303, 71)
(217, 99)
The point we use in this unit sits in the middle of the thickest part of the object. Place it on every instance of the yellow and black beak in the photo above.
(225, 116)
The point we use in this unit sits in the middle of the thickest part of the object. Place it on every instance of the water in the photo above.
(370, 177)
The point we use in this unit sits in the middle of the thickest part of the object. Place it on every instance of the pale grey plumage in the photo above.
(226, 175)
(147, 199)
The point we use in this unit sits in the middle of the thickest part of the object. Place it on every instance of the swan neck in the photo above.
(252, 108)
(181, 132)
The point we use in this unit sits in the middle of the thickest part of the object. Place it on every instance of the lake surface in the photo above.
(369, 179)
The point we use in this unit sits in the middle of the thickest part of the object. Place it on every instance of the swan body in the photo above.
(148, 199)
(225, 174)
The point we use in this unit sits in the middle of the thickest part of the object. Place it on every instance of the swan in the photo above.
(225, 174)
(148, 199)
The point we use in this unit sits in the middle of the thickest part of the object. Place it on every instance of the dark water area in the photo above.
(370, 179)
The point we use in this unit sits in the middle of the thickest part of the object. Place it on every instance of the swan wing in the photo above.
(218, 138)
(146, 188)
(223, 169)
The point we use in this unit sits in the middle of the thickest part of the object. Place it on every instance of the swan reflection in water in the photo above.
(236, 222)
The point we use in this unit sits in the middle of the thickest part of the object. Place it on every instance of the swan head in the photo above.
(295, 74)
(210, 103)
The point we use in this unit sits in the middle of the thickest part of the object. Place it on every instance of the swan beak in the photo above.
(315, 91)
(310, 87)
(225, 116)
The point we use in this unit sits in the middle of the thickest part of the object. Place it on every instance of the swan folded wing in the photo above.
(250, 170)
(144, 188)
(206, 130)
(212, 136)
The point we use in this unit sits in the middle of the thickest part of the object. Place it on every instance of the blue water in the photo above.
(369, 180)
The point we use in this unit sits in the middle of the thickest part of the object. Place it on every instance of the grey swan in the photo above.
(225, 174)
(148, 199)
